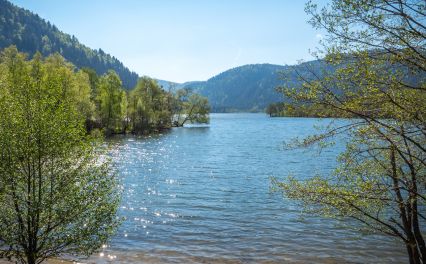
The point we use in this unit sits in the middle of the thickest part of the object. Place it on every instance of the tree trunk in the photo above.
(31, 258)
(405, 213)
(413, 253)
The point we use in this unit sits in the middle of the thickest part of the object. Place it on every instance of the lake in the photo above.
(201, 194)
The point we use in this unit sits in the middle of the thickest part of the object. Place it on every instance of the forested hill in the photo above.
(244, 88)
(247, 88)
(31, 33)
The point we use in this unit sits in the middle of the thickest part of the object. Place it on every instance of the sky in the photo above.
(186, 40)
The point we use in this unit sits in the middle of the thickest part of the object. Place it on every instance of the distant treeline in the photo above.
(290, 110)
(30, 33)
(314, 110)
(101, 100)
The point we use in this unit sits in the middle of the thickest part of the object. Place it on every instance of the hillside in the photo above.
(249, 87)
(31, 33)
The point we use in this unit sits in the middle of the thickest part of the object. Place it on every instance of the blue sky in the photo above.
(186, 40)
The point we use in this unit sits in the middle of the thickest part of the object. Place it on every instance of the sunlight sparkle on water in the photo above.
(206, 192)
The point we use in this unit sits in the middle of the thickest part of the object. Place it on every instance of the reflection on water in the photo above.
(201, 195)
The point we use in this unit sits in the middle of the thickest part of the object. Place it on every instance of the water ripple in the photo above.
(201, 195)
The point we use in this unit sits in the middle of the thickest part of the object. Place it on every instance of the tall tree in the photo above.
(110, 96)
(379, 48)
(58, 194)
(124, 107)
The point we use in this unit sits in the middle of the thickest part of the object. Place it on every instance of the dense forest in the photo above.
(31, 33)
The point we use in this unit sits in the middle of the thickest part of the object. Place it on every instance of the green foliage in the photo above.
(149, 107)
(378, 50)
(110, 98)
(106, 106)
(58, 194)
(82, 93)
(30, 34)
(190, 107)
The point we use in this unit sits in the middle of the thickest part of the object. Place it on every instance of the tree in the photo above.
(76, 83)
(58, 194)
(110, 95)
(94, 82)
(149, 107)
(275, 109)
(82, 94)
(190, 107)
(378, 47)
(124, 111)
(95, 121)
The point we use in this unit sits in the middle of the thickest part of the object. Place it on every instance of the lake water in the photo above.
(202, 195)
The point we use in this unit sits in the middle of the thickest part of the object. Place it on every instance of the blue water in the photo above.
(202, 195)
